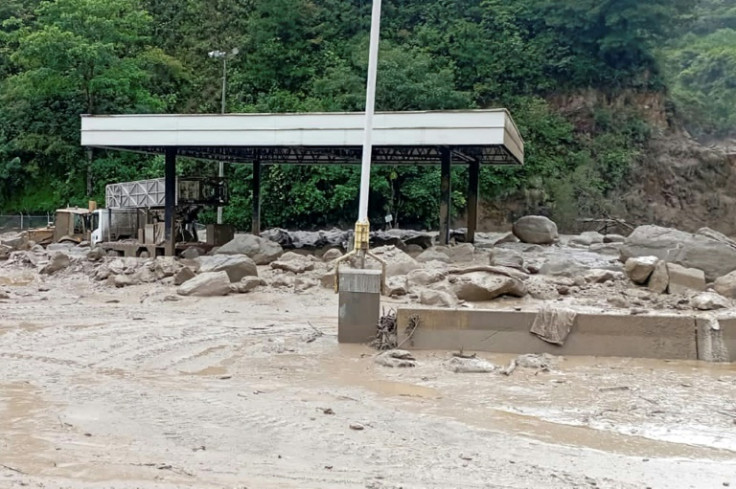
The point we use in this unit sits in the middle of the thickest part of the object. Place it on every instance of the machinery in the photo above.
(132, 223)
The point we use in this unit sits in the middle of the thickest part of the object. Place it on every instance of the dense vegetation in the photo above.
(63, 58)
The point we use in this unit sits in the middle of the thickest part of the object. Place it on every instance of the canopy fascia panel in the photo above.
(484, 136)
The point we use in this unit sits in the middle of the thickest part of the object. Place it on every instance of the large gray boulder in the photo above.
(481, 286)
(726, 285)
(685, 280)
(16, 242)
(432, 254)
(236, 266)
(640, 268)
(206, 285)
(397, 262)
(430, 297)
(5, 252)
(536, 230)
(58, 262)
(502, 257)
(261, 250)
(714, 256)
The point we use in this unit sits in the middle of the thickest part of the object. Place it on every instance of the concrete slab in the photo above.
(645, 336)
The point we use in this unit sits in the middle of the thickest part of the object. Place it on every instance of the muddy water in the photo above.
(522, 405)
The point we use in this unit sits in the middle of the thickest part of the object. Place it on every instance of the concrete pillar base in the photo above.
(359, 305)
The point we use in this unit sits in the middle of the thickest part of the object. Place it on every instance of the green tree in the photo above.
(76, 57)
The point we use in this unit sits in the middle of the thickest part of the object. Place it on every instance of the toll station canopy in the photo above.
(472, 137)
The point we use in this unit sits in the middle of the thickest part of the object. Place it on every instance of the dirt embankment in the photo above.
(676, 182)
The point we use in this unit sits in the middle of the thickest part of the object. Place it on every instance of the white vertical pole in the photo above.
(370, 102)
(221, 167)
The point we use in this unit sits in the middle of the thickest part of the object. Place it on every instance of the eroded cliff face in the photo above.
(676, 181)
(684, 184)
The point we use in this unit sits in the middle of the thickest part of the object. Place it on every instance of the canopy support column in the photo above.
(170, 201)
(256, 220)
(473, 194)
(445, 195)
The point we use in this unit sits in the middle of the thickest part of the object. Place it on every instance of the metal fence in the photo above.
(19, 222)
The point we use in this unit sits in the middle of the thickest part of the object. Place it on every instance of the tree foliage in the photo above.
(62, 58)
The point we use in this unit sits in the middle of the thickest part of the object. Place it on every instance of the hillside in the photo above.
(611, 98)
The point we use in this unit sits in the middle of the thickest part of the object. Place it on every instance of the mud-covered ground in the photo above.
(125, 388)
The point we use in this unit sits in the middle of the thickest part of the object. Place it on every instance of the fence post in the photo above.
(21, 221)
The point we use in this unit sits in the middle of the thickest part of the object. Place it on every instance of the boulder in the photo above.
(206, 284)
(236, 266)
(561, 266)
(303, 283)
(502, 257)
(613, 249)
(713, 256)
(396, 287)
(397, 262)
(261, 250)
(421, 239)
(17, 242)
(96, 254)
(709, 301)
(295, 266)
(481, 286)
(124, 280)
(63, 247)
(472, 365)
(102, 273)
(5, 252)
(246, 284)
(184, 274)
(660, 278)
(614, 238)
(506, 238)
(726, 285)
(425, 277)
(640, 268)
(430, 297)
(461, 253)
(712, 234)
(431, 254)
(163, 267)
(331, 255)
(599, 276)
(144, 275)
(536, 230)
(59, 261)
(587, 238)
(191, 253)
(685, 280)
(327, 280)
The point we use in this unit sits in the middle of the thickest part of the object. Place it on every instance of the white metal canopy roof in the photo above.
(487, 136)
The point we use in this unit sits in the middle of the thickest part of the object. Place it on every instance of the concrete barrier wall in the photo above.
(645, 336)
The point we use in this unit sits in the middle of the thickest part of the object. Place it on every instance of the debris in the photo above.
(328, 411)
(386, 331)
(543, 361)
(357, 427)
(614, 389)
(553, 325)
(395, 359)
(508, 369)
(11, 468)
(470, 365)
(460, 354)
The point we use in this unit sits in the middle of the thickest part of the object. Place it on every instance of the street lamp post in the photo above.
(223, 55)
